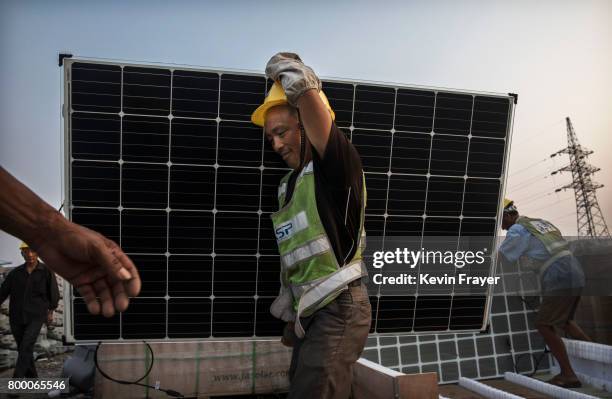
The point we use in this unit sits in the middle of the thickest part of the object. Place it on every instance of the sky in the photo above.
(557, 55)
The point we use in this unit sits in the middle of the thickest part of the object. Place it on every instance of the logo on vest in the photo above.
(284, 231)
(543, 227)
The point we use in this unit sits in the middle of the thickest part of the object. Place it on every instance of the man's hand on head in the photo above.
(100, 271)
(302, 88)
(295, 77)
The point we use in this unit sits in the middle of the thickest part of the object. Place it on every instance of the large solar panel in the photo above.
(166, 162)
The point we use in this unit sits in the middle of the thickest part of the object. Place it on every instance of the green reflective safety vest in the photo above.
(310, 274)
(550, 237)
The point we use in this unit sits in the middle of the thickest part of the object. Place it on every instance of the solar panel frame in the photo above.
(329, 84)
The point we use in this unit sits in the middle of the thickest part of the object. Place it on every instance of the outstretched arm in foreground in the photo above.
(102, 273)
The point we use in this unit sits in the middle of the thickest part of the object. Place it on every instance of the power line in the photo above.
(529, 166)
(534, 197)
(531, 196)
(572, 214)
(550, 205)
(529, 181)
(547, 128)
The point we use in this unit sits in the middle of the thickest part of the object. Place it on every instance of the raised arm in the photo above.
(302, 88)
(316, 120)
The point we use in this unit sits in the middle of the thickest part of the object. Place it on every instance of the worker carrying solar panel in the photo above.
(319, 231)
(538, 246)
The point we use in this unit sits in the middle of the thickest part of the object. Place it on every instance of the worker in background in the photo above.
(319, 230)
(102, 273)
(538, 246)
(34, 295)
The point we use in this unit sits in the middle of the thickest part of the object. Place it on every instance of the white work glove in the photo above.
(295, 77)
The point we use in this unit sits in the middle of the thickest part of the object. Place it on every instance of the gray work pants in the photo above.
(322, 362)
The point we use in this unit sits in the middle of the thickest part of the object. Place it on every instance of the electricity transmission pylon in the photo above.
(590, 220)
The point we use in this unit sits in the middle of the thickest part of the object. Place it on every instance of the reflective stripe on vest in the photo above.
(307, 251)
(362, 241)
(307, 169)
(315, 292)
(358, 268)
(282, 189)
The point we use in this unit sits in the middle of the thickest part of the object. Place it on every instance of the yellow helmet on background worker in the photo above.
(23, 245)
(276, 96)
(509, 205)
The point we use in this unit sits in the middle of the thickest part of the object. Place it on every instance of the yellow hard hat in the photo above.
(509, 205)
(23, 245)
(276, 96)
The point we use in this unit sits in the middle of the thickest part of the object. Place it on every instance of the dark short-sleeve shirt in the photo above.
(339, 193)
(31, 295)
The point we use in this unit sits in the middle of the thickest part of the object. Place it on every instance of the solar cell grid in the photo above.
(166, 162)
